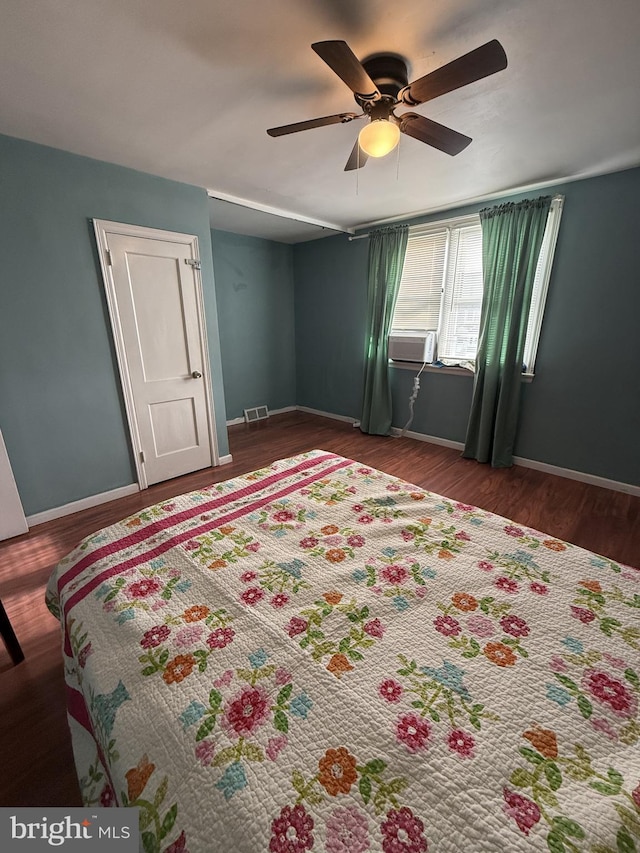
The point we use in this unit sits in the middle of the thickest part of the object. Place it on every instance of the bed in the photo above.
(320, 656)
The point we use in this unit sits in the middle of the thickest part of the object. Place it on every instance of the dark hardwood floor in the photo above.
(35, 748)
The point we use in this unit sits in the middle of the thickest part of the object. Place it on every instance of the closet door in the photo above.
(157, 315)
(12, 520)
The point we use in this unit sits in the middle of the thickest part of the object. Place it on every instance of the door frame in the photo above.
(103, 228)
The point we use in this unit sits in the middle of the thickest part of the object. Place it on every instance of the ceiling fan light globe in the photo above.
(379, 137)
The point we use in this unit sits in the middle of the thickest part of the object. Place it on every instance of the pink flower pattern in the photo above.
(390, 690)
(374, 628)
(188, 636)
(252, 595)
(523, 810)
(296, 626)
(514, 625)
(447, 625)
(291, 831)
(395, 575)
(220, 638)
(462, 743)
(155, 636)
(610, 692)
(480, 626)
(246, 712)
(403, 832)
(143, 588)
(507, 585)
(347, 831)
(413, 731)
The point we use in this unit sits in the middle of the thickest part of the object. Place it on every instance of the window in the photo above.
(441, 286)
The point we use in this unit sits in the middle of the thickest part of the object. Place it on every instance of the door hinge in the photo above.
(142, 455)
(109, 258)
(193, 262)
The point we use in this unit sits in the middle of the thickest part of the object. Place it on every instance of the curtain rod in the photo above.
(557, 197)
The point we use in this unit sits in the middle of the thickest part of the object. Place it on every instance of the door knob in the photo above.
(196, 375)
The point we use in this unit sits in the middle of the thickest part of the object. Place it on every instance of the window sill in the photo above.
(450, 371)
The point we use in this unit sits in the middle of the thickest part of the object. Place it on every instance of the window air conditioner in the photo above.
(412, 346)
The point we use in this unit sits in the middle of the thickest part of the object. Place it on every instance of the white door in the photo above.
(12, 520)
(155, 301)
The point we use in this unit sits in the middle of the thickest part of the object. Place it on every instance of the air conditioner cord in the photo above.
(412, 400)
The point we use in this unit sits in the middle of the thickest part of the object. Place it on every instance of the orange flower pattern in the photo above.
(499, 654)
(178, 669)
(464, 601)
(339, 664)
(138, 777)
(337, 771)
(196, 613)
(544, 740)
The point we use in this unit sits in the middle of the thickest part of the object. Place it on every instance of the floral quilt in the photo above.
(319, 656)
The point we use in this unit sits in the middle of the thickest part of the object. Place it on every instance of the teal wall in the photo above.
(331, 312)
(582, 410)
(61, 409)
(254, 292)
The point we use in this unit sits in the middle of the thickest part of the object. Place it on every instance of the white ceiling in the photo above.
(187, 89)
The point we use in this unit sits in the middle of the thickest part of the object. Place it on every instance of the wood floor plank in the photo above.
(37, 764)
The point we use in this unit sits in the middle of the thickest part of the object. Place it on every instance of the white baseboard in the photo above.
(570, 474)
(430, 439)
(95, 500)
(235, 421)
(326, 414)
(84, 503)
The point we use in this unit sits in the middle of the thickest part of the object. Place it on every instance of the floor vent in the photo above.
(259, 413)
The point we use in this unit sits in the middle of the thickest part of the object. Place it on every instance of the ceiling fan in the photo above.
(379, 84)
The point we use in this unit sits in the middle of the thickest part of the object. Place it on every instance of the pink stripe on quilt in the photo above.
(140, 535)
(77, 708)
(95, 581)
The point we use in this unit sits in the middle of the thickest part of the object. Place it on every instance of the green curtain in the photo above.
(387, 248)
(511, 240)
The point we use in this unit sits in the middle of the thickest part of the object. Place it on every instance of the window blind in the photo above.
(462, 297)
(420, 294)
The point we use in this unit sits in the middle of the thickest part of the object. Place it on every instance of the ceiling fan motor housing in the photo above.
(389, 72)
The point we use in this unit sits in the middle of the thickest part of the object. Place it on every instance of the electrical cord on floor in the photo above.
(412, 400)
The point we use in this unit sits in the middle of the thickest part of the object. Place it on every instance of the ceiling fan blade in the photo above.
(357, 158)
(437, 135)
(475, 65)
(343, 61)
(339, 118)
